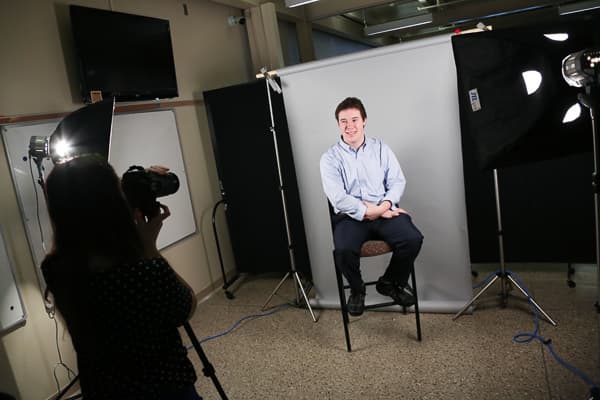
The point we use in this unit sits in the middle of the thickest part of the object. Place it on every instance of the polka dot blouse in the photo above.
(123, 323)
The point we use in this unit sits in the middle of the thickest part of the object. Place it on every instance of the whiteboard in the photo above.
(144, 138)
(12, 313)
(410, 94)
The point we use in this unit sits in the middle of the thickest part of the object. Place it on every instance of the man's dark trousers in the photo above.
(399, 232)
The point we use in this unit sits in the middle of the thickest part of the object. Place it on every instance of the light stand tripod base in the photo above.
(503, 276)
(270, 83)
(299, 289)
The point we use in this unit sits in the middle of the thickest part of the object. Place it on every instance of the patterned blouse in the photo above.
(123, 323)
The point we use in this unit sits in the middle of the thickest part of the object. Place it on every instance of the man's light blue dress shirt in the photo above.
(371, 173)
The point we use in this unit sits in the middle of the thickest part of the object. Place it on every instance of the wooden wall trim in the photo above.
(118, 109)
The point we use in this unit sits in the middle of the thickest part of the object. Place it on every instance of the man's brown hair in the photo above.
(351, 102)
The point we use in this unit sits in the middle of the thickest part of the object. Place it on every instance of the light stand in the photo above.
(503, 275)
(293, 272)
(582, 69)
(589, 101)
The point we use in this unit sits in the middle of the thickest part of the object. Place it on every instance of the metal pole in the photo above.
(590, 102)
(297, 282)
(500, 236)
(208, 369)
(502, 274)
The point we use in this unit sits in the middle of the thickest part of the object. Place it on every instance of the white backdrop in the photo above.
(410, 94)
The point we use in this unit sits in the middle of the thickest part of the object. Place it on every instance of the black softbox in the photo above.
(511, 126)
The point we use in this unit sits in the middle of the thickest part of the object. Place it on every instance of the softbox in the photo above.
(87, 129)
(512, 97)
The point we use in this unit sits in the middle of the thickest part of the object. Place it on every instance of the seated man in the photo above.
(363, 182)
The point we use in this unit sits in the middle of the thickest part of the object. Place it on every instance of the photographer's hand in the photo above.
(159, 169)
(149, 230)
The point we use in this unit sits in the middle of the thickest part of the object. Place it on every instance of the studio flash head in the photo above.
(582, 68)
(142, 187)
(82, 132)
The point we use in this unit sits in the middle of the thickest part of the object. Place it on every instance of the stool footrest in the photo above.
(386, 304)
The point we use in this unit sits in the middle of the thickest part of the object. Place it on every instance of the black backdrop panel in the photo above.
(513, 126)
(547, 210)
(544, 166)
(244, 149)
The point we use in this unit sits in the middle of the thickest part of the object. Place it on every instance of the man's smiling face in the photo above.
(352, 126)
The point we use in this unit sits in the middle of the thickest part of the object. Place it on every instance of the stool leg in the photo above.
(417, 316)
(343, 305)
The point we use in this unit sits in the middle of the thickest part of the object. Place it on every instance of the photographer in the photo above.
(121, 301)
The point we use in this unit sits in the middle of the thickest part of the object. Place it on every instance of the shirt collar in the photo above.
(349, 148)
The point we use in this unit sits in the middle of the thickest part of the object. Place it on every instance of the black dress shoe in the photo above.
(356, 303)
(401, 295)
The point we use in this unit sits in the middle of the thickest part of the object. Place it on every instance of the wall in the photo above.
(38, 75)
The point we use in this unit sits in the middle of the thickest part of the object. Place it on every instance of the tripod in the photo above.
(590, 101)
(293, 272)
(503, 276)
(208, 369)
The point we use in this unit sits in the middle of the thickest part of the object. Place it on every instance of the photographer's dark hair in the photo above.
(90, 216)
(351, 102)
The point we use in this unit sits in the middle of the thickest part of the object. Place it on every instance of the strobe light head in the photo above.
(582, 68)
(39, 147)
(84, 131)
(54, 147)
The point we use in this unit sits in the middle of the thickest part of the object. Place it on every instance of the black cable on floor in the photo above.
(235, 325)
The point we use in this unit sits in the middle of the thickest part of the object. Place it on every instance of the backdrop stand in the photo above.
(505, 278)
(301, 293)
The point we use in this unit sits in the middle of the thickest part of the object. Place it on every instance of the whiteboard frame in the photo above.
(18, 316)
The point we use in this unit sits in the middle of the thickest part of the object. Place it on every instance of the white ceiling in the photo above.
(446, 15)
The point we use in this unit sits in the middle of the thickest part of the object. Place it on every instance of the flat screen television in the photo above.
(125, 56)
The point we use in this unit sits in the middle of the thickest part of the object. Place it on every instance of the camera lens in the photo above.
(163, 185)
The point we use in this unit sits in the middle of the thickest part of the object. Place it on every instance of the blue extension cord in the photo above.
(253, 316)
(525, 337)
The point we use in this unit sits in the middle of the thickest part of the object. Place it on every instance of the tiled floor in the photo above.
(287, 356)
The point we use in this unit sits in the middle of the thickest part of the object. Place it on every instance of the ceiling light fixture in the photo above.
(578, 7)
(297, 3)
(399, 24)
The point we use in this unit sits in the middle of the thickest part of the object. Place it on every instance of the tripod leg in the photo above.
(490, 283)
(514, 282)
(299, 283)
(276, 290)
(208, 369)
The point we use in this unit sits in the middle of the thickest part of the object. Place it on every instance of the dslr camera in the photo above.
(142, 187)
